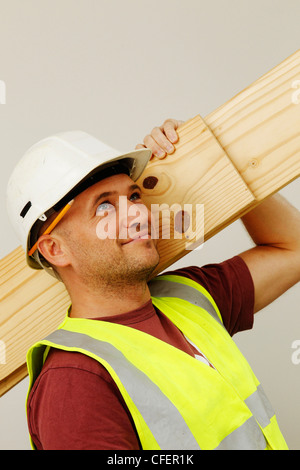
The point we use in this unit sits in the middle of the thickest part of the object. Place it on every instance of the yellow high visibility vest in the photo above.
(176, 401)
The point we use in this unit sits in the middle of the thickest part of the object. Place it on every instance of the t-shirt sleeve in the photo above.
(75, 405)
(231, 286)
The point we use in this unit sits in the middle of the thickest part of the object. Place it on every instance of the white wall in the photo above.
(116, 69)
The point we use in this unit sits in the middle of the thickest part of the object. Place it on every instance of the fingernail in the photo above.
(170, 149)
(173, 137)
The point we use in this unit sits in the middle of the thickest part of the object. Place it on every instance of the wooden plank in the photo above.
(258, 131)
(32, 306)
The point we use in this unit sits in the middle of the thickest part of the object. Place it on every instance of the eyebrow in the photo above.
(113, 193)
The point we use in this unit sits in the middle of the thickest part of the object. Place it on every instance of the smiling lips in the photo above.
(141, 235)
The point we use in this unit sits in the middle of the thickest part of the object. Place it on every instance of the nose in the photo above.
(133, 217)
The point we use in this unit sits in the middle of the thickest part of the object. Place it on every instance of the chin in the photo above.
(143, 268)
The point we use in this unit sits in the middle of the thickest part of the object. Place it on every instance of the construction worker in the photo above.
(139, 364)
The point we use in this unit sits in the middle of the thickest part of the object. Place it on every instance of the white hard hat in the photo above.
(57, 168)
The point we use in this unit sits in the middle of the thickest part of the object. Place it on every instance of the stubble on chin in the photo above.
(115, 271)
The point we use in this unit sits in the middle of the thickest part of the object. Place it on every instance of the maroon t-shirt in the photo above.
(74, 403)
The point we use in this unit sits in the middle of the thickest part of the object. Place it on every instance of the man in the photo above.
(139, 365)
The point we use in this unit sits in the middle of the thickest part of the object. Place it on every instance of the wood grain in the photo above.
(32, 306)
(259, 129)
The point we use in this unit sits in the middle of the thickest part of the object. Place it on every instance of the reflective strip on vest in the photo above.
(143, 392)
(247, 437)
(166, 423)
(258, 402)
(260, 407)
(163, 288)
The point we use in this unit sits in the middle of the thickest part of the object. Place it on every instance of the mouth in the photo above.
(139, 236)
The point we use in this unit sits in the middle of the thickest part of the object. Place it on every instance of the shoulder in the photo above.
(210, 275)
(75, 404)
(231, 286)
(66, 371)
(61, 362)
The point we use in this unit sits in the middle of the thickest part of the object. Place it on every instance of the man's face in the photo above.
(108, 233)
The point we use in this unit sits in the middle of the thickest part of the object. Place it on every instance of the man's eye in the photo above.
(104, 207)
(135, 196)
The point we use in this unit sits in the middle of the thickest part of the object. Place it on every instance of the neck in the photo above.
(106, 301)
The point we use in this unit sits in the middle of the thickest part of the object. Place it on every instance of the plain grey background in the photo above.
(116, 69)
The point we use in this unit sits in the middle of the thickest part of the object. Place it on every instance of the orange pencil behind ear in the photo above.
(52, 225)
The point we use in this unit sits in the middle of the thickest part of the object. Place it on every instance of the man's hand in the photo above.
(162, 139)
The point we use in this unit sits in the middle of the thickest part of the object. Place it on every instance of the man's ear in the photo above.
(53, 250)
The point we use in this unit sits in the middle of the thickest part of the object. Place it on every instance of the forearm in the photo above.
(275, 222)
(274, 263)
